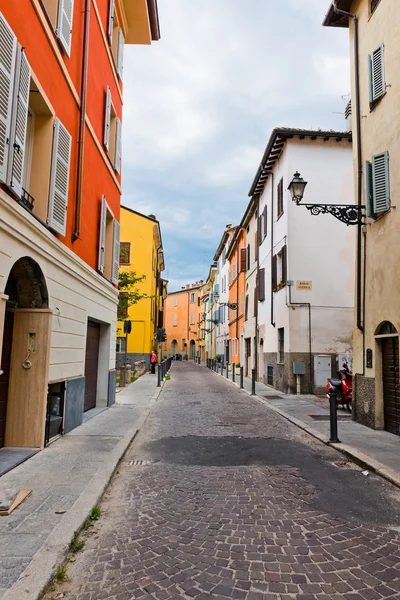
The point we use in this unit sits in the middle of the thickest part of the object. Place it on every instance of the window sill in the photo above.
(375, 103)
(279, 216)
(280, 286)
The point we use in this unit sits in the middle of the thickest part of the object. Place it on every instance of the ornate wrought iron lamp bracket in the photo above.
(349, 214)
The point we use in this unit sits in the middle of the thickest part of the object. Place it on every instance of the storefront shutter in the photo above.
(102, 234)
(120, 60)
(110, 20)
(64, 24)
(8, 49)
(118, 145)
(18, 123)
(59, 180)
(115, 257)
(380, 182)
(261, 285)
(107, 119)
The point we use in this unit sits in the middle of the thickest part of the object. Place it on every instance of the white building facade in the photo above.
(305, 262)
(221, 294)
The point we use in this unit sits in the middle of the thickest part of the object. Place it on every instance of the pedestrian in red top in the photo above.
(153, 361)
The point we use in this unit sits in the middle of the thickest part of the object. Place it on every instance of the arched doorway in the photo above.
(25, 357)
(389, 340)
(261, 361)
(192, 350)
(174, 347)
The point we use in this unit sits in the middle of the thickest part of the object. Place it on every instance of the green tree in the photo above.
(129, 294)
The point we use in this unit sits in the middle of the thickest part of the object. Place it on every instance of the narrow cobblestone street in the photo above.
(232, 501)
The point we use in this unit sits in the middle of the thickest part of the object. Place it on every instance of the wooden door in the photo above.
(91, 364)
(5, 366)
(390, 376)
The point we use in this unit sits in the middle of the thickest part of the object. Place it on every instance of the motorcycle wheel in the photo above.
(349, 406)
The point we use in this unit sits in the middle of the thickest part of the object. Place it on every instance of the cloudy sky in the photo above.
(200, 104)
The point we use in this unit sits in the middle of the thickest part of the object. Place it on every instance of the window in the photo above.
(175, 300)
(192, 318)
(256, 245)
(60, 13)
(261, 285)
(259, 231)
(223, 256)
(270, 375)
(109, 251)
(192, 298)
(125, 253)
(264, 217)
(112, 133)
(255, 298)
(121, 344)
(281, 345)
(377, 185)
(279, 269)
(116, 39)
(175, 320)
(234, 271)
(241, 302)
(376, 72)
(243, 259)
(374, 4)
(184, 344)
(280, 199)
(123, 306)
(246, 309)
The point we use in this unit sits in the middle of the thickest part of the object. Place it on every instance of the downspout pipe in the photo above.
(256, 336)
(359, 301)
(305, 305)
(82, 117)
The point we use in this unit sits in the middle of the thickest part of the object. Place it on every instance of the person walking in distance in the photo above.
(153, 361)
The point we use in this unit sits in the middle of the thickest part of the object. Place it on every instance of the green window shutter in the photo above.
(371, 94)
(380, 182)
(378, 73)
(369, 190)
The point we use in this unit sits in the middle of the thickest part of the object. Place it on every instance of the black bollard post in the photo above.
(333, 417)
(227, 370)
(241, 377)
(253, 382)
(159, 375)
(233, 371)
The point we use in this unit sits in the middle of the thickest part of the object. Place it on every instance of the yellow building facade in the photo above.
(141, 252)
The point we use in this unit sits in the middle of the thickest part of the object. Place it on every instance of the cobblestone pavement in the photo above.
(235, 502)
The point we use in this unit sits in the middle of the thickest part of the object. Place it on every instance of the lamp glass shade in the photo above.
(297, 187)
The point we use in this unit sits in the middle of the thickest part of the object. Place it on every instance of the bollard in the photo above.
(227, 370)
(253, 382)
(122, 376)
(233, 371)
(159, 375)
(241, 377)
(333, 417)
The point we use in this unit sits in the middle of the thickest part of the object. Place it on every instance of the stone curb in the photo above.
(39, 573)
(363, 460)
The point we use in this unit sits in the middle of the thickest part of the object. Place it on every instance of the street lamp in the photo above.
(350, 214)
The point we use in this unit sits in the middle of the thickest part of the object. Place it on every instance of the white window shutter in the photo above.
(59, 180)
(115, 257)
(378, 73)
(118, 143)
(121, 46)
(369, 190)
(18, 124)
(8, 49)
(380, 182)
(107, 119)
(64, 24)
(102, 234)
(110, 20)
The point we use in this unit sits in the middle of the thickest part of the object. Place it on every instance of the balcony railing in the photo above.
(26, 200)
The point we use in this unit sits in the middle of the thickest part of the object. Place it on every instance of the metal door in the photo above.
(5, 366)
(322, 370)
(91, 364)
(390, 376)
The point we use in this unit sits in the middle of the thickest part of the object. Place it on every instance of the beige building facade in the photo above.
(375, 53)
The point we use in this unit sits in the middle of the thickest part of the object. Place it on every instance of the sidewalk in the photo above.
(377, 451)
(67, 479)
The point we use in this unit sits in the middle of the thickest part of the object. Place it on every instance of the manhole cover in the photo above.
(270, 397)
(327, 417)
(140, 463)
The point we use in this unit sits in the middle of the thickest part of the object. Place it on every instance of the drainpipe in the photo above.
(304, 305)
(360, 291)
(257, 287)
(82, 116)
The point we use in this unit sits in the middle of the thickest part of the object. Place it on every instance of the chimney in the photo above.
(188, 286)
(347, 114)
(152, 217)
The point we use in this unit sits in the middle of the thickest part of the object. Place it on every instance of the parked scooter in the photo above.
(343, 388)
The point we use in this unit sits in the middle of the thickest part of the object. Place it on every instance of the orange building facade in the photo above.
(61, 64)
(236, 255)
(182, 321)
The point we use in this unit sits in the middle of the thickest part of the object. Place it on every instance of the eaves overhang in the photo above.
(334, 19)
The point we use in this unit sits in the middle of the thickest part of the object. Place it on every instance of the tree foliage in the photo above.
(129, 294)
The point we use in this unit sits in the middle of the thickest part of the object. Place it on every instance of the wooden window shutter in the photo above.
(116, 252)
(256, 245)
(261, 285)
(110, 20)
(255, 297)
(280, 197)
(284, 263)
(380, 182)
(64, 24)
(102, 235)
(259, 231)
(248, 256)
(246, 309)
(107, 119)
(118, 143)
(18, 123)
(369, 190)
(274, 272)
(125, 253)
(59, 180)
(120, 58)
(377, 73)
(8, 50)
(265, 219)
(243, 253)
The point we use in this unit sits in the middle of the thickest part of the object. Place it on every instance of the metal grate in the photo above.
(270, 375)
(140, 463)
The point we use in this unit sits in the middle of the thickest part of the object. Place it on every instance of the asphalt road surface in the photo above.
(219, 497)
